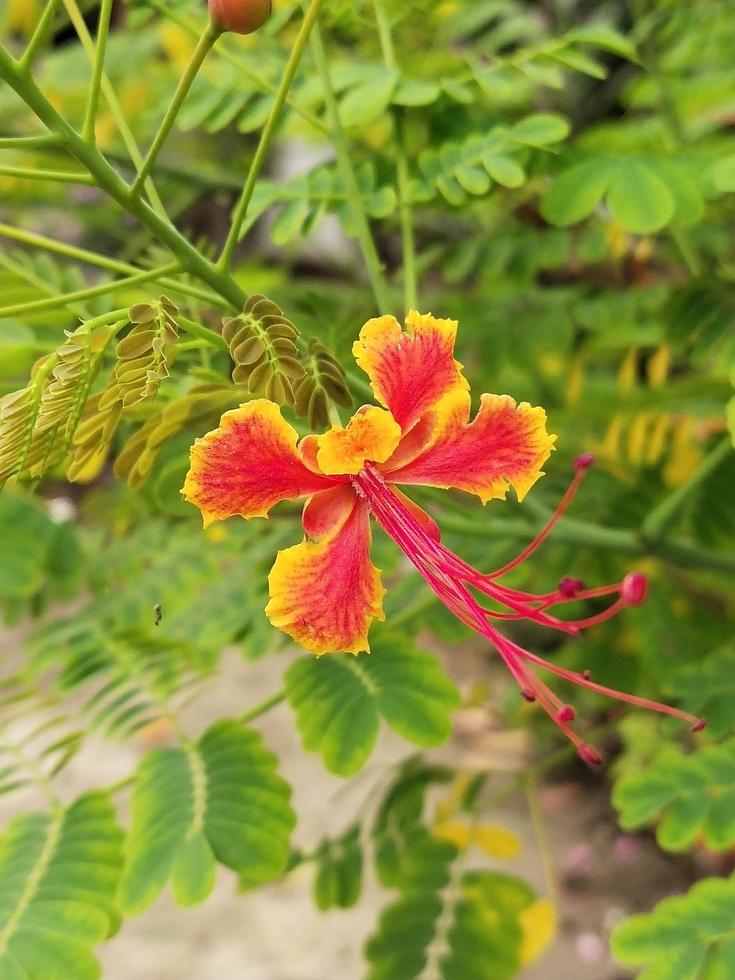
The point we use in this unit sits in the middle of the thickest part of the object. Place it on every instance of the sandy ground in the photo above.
(276, 933)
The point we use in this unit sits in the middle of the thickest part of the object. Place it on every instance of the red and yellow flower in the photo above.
(325, 592)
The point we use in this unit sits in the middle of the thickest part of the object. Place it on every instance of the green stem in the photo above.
(410, 277)
(98, 66)
(113, 185)
(39, 35)
(213, 338)
(194, 30)
(260, 709)
(103, 262)
(77, 19)
(349, 178)
(581, 533)
(664, 514)
(206, 42)
(410, 285)
(57, 176)
(268, 132)
(28, 142)
(66, 299)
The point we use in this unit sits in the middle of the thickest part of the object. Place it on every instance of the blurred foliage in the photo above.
(569, 181)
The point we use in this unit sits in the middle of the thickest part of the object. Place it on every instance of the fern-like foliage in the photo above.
(219, 800)
(340, 700)
(689, 797)
(323, 379)
(58, 877)
(38, 422)
(262, 345)
(686, 937)
(338, 878)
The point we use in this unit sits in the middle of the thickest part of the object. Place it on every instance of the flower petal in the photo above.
(504, 445)
(371, 434)
(327, 511)
(326, 593)
(248, 464)
(409, 371)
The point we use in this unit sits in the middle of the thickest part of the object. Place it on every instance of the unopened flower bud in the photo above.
(239, 16)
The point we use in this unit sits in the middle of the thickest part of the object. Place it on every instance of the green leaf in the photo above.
(219, 798)
(416, 92)
(541, 129)
(689, 796)
(604, 37)
(452, 932)
(722, 175)
(682, 933)
(576, 193)
(290, 221)
(340, 699)
(58, 875)
(338, 880)
(579, 61)
(638, 198)
(370, 99)
(504, 170)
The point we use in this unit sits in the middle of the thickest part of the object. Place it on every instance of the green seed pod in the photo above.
(239, 16)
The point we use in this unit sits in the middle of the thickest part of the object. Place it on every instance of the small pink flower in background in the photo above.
(325, 592)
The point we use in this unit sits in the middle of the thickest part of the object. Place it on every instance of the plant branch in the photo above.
(410, 286)
(113, 185)
(39, 35)
(260, 709)
(42, 142)
(213, 338)
(664, 514)
(56, 176)
(98, 66)
(582, 533)
(206, 42)
(349, 178)
(267, 133)
(77, 19)
(103, 262)
(103, 289)
(195, 31)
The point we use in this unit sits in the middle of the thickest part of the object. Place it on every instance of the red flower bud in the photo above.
(239, 16)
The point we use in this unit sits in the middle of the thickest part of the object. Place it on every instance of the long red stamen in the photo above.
(451, 579)
(581, 465)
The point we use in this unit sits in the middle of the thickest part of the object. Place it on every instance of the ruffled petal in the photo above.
(326, 593)
(248, 464)
(371, 434)
(409, 371)
(504, 445)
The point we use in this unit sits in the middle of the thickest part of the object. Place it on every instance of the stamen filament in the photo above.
(451, 578)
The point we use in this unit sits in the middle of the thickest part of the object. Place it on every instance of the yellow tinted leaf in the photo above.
(496, 841)
(538, 922)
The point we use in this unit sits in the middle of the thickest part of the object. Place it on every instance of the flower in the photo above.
(325, 592)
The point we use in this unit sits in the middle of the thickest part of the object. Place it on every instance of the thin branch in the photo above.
(260, 709)
(104, 262)
(665, 513)
(112, 184)
(77, 19)
(42, 142)
(194, 30)
(347, 172)
(98, 67)
(206, 42)
(57, 176)
(67, 299)
(267, 133)
(39, 35)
